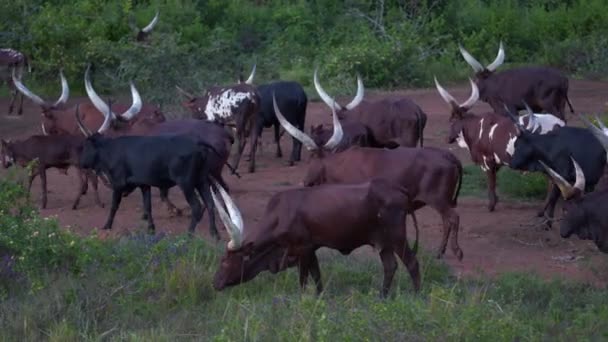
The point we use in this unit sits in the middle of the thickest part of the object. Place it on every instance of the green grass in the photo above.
(510, 184)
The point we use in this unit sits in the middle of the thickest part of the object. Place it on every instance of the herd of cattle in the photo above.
(366, 173)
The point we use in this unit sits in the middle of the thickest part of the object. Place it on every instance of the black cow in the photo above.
(143, 162)
(556, 149)
(292, 101)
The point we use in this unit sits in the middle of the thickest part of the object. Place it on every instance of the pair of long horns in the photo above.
(306, 140)
(568, 191)
(474, 63)
(331, 102)
(449, 99)
(65, 91)
(230, 216)
(103, 107)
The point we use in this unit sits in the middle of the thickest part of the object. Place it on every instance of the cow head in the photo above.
(320, 134)
(481, 73)
(6, 153)
(316, 169)
(574, 215)
(51, 112)
(243, 260)
(340, 110)
(459, 112)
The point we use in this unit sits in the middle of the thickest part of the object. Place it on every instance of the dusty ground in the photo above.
(505, 240)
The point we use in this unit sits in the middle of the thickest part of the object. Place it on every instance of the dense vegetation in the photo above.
(391, 43)
(58, 286)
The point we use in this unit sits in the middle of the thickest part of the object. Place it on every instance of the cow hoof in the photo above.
(459, 254)
(251, 169)
(106, 228)
(439, 255)
(540, 213)
(290, 163)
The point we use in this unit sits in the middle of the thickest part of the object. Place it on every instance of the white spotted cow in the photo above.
(489, 137)
(234, 106)
(539, 123)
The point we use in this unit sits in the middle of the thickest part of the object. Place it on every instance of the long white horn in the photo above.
(250, 79)
(336, 137)
(43, 129)
(293, 131)
(597, 132)
(565, 188)
(323, 95)
(106, 122)
(232, 219)
(449, 99)
(28, 93)
(500, 58)
(95, 99)
(580, 177)
(359, 97)
(473, 98)
(151, 25)
(470, 59)
(601, 124)
(135, 107)
(65, 90)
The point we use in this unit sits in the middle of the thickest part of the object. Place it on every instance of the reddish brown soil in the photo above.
(505, 240)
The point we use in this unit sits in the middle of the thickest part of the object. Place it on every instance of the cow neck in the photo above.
(470, 129)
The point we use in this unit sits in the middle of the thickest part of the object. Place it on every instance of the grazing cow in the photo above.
(355, 134)
(143, 162)
(544, 89)
(583, 215)
(143, 34)
(298, 222)
(234, 106)
(58, 151)
(431, 176)
(11, 59)
(490, 137)
(293, 101)
(393, 123)
(59, 119)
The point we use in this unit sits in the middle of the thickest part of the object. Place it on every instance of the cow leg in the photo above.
(555, 193)
(116, 198)
(408, 258)
(277, 139)
(452, 219)
(254, 146)
(43, 185)
(240, 146)
(390, 267)
(205, 194)
(14, 92)
(20, 112)
(492, 198)
(310, 264)
(93, 178)
(171, 208)
(146, 194)
(82, 180)
(541, 212)
(30, 180)
(195, 207)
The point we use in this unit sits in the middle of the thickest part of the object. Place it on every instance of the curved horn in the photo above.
(185, 93)
(565, 188)
(323, 95)
(601, 124)
(151, 25)
(580, 181)
(81, 126)
(231, 219)
(95, 99)
(28, 93)
(449, 99)
(107, 120)
(358, 98)
(293, 131)
(500, 58)
(336, 137)
(65, 90)
(251, 76)
(43, 129)
(473, 98)
(597, 132)
(531, 118)
(135, 107)
(470, 59)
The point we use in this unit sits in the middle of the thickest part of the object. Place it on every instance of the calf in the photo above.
(431, 176)
(355, 134)
(292, 100)
(61, 152)
(143, 162)
(234, 106)
(298, 222)
(583, 215)
(544, 89)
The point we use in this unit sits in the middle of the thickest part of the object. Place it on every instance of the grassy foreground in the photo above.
(57, 286)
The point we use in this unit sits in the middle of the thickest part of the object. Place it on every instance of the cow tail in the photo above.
(420, 126)
(230, 167)
(569, 105)
(457, 190)
(415, 248)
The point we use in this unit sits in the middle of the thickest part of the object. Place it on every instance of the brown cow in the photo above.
(544, 89)
(393, 122)
(432, 176)
(235, 106)
(11, 59)
(298, 222)
(52, 151)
